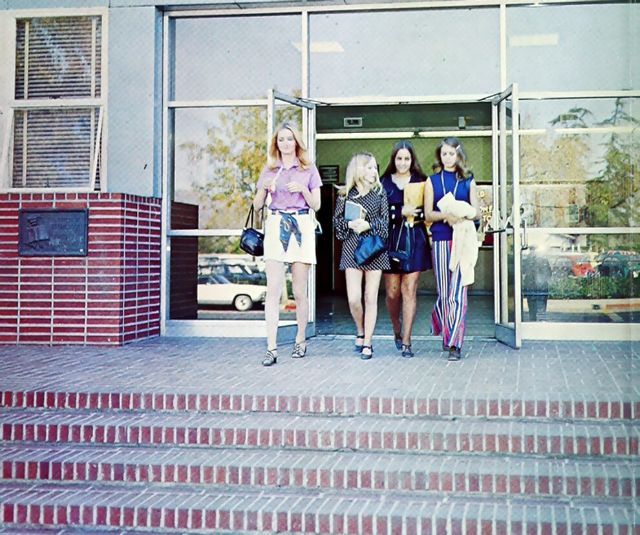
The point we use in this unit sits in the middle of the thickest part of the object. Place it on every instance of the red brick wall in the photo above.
(110, 296)
(183, 301)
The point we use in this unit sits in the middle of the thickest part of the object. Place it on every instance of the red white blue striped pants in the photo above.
(450, 310)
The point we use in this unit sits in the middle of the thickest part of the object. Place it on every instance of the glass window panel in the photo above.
(585, 178)
(581, 278)
(409, 53)
(218, 156)
(235, 57)
(219, 153)
(212, 279)
(572, 47)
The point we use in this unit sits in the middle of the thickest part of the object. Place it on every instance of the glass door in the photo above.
(510, 238)
(305, 110)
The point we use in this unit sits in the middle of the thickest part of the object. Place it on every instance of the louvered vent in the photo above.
(57, 151)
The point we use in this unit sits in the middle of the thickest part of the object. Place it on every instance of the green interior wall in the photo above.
(339, 152)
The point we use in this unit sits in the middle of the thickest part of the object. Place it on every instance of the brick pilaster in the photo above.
(110, 296)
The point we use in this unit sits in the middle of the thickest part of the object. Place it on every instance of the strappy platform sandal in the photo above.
(358, 348)
(407, 353)
(270, 358)
(397, 338)
(367, 352)
(299, 350)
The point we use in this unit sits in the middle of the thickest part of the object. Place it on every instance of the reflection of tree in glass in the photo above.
(613, 194)
(559, 163)
(236, 151)
(609, 196)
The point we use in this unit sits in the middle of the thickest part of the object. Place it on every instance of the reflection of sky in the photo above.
(593, 51)
(236, 57)
(407, 53)
(414, 52)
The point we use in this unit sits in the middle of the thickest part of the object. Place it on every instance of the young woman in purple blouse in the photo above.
(290, 184)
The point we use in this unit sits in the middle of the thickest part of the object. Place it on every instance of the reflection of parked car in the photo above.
(236, 273)
(564, 266)
(218, 290)
(583, 268)
(619, 264)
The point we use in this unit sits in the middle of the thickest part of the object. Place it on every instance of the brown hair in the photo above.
(462, 168)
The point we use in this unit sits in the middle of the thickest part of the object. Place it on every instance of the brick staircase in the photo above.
(329, 464)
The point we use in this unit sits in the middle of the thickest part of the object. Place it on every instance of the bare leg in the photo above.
(300, 274)
(393, 300)
(409, 289)
(275, 282)
(354, 295)
(371, 287)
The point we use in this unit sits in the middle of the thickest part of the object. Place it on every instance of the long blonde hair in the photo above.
(354, 176)
(273, 154)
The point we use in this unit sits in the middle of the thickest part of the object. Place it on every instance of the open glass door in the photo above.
(278, 104)
(508, 241)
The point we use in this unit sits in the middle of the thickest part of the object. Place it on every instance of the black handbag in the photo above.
(401, 252)
(368, 248)
(251, 239)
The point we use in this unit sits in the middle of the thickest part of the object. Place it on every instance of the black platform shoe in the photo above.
(454, 354)
(270, 358)
(407, 352)
(367, 352)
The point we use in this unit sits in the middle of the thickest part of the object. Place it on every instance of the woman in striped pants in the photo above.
(452, 176)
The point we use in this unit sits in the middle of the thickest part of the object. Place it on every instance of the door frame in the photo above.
(510, 237)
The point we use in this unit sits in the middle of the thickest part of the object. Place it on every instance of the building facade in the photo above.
(132, 133)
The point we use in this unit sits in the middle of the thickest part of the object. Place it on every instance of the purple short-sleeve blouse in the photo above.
(283, 199)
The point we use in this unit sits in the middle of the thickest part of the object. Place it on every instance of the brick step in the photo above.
(587, 407)
(317, 469)
(178, 509)
(322, 432)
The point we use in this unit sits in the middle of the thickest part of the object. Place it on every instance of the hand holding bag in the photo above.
(368, 248)
(251, 239)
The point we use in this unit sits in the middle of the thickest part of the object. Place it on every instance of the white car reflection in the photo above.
(218, 290)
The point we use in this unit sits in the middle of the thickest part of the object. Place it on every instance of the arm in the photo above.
(314, 199)
(260, 198)
(473, 200)
(311, 190)
(339, 223)
(431, 215)
(263, 189)
(380, 224)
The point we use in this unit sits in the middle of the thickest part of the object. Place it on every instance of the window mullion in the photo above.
(25, 90)
(24, 149)
(94, 33)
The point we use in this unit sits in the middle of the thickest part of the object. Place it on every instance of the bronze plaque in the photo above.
(330, 174)
(53, 232)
